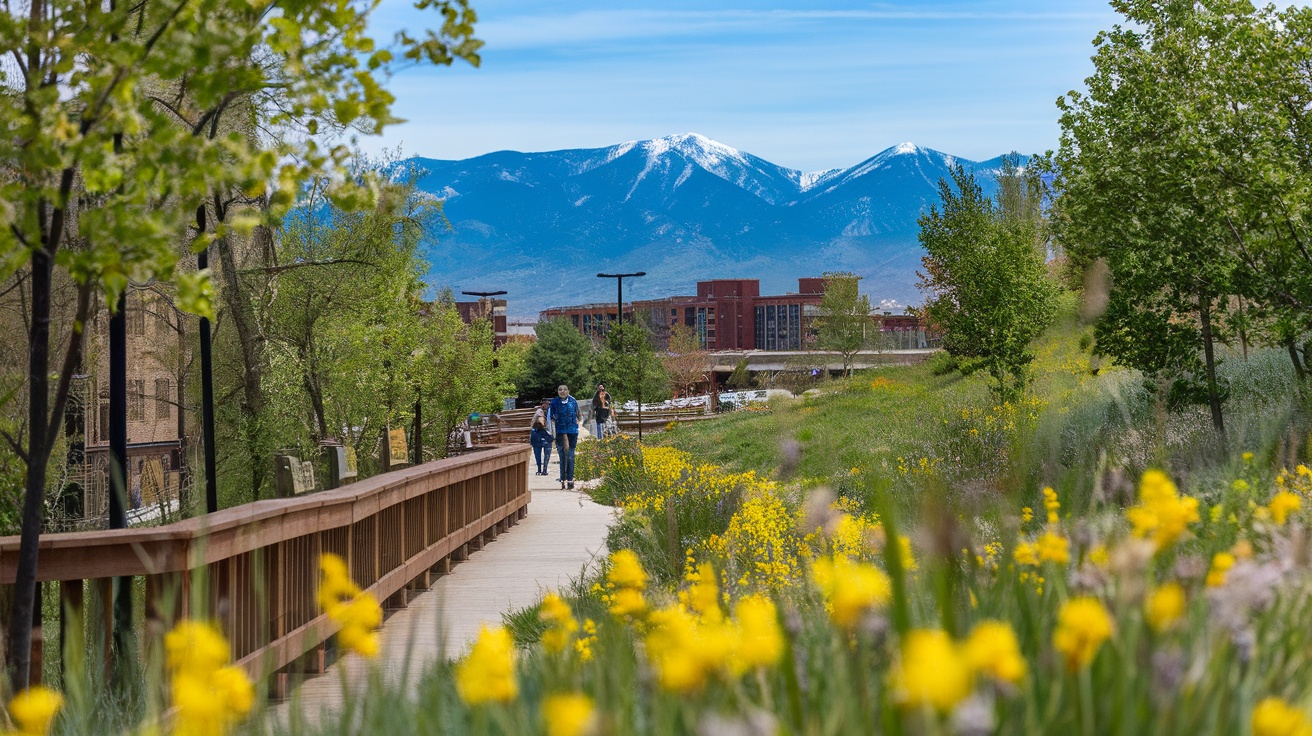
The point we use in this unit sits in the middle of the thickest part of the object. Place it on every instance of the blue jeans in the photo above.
(565, 444)
(542, 454)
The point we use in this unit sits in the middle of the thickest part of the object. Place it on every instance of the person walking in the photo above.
(600, 411)
(563, 418)
(540, 438)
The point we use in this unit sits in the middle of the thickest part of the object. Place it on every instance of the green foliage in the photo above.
(629, 367)
(985, 274)
(1183, 169)
(741, 378)
(844, 317)
(561, 355)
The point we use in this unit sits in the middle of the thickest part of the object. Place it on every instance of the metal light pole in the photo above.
(619, 296)
(619, 317)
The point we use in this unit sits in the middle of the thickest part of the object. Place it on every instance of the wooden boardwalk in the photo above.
(563, 535)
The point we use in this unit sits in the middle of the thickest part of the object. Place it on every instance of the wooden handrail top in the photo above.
(193, 542)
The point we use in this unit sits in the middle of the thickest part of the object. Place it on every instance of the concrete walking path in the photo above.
(563, 536)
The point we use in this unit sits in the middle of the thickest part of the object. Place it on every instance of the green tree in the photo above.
(628, 365)
(741, 378)
(1147, 182)
(686, 362)
(844, 323)
(985, 275)
(462, 376)
(561, 355)
(102, 181)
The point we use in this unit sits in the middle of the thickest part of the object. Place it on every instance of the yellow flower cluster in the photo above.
(761, 543)
(1275, 717)
(583, 645)
(935, 671)
(560, 621)
(687, 649)
(1083, 624)
(1161, 515)
(34, 709)
(1164, 606)
(1050, 546)
(1282, 505)
(850, 588)
(209, 694)
(487, 674)
(572, 714)
(356, 612)
(625, 582)
(1221, 564)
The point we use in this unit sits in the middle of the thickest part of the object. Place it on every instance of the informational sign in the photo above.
(398, 452)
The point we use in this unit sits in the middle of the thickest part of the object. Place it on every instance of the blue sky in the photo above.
(809, 85)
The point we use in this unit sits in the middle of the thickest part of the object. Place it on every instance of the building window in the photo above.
(795, 326)
(137, 400)
(587, 324)
(160, 310)
(136, 317)
(163, 402)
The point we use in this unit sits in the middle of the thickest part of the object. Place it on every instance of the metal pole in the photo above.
(120, 614)
(207, 401)
(619, 301)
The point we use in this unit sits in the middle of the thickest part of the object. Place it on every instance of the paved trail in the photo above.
(563, 534)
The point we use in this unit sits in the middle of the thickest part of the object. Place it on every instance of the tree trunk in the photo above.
(1298, 364)
(19, 647)
(251, 342)
(1213, 392)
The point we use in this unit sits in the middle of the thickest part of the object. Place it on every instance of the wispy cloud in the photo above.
(590, 26)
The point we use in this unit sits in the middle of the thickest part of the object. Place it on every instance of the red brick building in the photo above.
(728, 314)
(470, 311)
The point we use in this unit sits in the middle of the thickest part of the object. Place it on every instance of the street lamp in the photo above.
(619, 296)
(619, 314)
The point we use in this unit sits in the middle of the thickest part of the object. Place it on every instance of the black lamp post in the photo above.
(619, 296)
(619, 316)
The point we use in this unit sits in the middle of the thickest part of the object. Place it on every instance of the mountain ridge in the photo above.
(682, 208)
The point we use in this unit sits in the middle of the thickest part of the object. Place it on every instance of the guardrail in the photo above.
(254, 568)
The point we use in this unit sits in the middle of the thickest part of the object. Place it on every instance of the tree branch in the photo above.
(72, 359)
(275, 270)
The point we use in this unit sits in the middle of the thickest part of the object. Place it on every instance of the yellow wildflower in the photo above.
(760, 640)
(626, 571)
(675, 651)
(1275, 717)
(560, 621)
(1221, 564)
(1082, 626)
(627, 602)
(908, 557)
(1053, 547)
(703, 596)
(1161, 514)
(993, 650)
(488, 673)
(850, 588)
(1248, 457)
(1026, 515)
(1051, 503)
(1026, 553)
(932, 671)
(1240, 485)
(356, 612)
(1164, 606)
(209, 695)
(568, 715)
(1099, 555)
(1282, 504)
(34, 709)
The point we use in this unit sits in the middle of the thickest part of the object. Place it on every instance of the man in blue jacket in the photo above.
(563, 418)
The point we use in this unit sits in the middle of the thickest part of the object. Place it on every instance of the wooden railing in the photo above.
(254, 568)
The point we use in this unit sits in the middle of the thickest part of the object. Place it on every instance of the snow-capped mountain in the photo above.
(682, 208)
